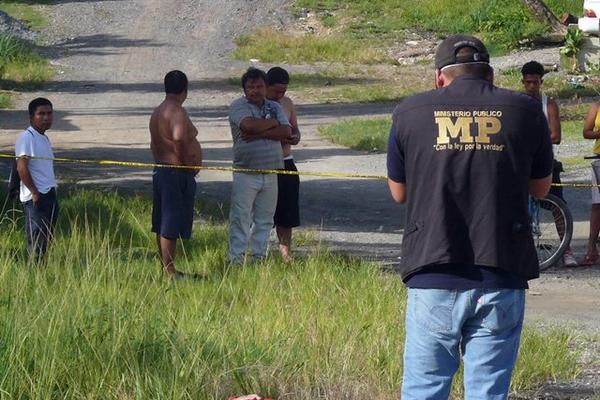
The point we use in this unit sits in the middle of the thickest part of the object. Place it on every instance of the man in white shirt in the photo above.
(38, 185)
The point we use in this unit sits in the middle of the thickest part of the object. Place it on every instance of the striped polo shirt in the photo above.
(259, 153)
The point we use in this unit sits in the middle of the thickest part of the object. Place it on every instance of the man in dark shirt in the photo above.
(465, 158)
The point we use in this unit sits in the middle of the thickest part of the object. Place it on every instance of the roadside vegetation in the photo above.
(371, 134)
(23, 10)
(22, 68)
(354, 45)
(363, 31)
(99, 321)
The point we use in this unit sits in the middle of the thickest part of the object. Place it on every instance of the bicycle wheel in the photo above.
(552, 230)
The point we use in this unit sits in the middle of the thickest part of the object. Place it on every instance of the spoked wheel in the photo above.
(552, 229)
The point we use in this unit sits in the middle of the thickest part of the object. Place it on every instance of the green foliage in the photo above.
(98, 321)
(21, 67)
(534, 345)
(573, 42)
(24, 11)
(13, 49)
(5, 101)
(502, 23)
(269, 45)
(359, 134)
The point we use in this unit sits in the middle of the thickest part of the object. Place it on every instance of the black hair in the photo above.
(38, 102)
(175, 82)
(277, 75)
(253, 74)
(533, 68)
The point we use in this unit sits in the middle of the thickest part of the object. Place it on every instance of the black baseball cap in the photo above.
(445, 54)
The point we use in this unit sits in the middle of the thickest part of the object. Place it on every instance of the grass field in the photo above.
(21, 66)
(372, 134)
(24, 11)
(361, 30)
(99, 321)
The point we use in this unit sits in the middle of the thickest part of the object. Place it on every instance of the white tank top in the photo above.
(545, 108)
(545, 105)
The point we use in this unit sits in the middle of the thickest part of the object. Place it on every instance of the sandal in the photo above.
(589, 260)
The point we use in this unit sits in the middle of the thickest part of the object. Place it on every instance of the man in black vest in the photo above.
(465, 158)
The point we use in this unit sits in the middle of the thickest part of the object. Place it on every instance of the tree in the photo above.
(544, 14)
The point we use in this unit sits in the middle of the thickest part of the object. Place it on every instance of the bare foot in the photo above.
(285, 253)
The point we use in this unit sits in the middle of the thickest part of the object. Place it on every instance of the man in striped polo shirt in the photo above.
(258, 126)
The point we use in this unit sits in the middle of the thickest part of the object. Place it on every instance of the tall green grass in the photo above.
(360, 31)
(99, 321)
(21, 66)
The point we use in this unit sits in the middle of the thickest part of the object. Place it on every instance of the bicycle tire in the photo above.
(548, 257)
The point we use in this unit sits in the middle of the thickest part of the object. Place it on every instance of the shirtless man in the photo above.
(287, 214)
(533, 79)
(173, 142)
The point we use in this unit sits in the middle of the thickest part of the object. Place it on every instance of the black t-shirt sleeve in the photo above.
(395, 157)
(542, 157)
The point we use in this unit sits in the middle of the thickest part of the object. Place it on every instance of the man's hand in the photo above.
(294, 139)
(35, 198)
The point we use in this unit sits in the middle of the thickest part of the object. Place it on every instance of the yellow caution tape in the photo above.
(137, 164)
(225, 169)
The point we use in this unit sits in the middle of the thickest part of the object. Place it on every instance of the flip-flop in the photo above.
(589, 260)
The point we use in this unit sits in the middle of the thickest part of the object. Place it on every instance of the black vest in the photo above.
(470, 150)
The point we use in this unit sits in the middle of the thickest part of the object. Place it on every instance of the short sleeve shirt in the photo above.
(258, 153)
(31, 143)
(466, 153)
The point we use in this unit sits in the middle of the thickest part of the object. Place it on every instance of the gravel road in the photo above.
(112, 56)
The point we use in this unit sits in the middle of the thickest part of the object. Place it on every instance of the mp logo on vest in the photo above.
(467, 130)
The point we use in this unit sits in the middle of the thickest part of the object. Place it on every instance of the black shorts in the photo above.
(557, 168)
(287, 213)
(174, 192)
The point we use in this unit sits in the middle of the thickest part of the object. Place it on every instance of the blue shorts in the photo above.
(174, 193)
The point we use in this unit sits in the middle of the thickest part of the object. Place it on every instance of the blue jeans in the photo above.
(482, 325)
(253, 202)
(40, 220)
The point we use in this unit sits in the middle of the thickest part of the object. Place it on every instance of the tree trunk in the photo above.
(544, 14)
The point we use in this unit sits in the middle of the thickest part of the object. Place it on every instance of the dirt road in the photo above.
(112, 56)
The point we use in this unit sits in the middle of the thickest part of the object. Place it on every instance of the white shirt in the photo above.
(545, 109)
(31, 143)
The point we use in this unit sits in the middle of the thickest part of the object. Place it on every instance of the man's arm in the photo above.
(180, 127)
(590, 122)
(398, 191)
(281, 133)
(540, 178)
(255, 126)
(295, 139)
(23, 170)
(554, 122)
(539, 188)
(395, 165)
